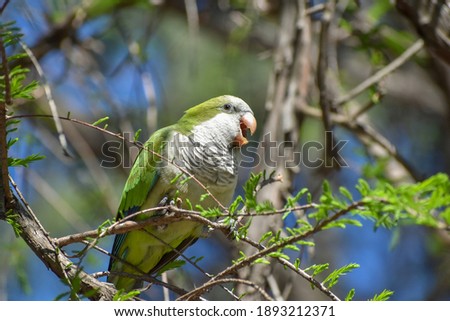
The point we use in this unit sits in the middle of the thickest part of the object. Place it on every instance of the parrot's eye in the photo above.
(227, 107)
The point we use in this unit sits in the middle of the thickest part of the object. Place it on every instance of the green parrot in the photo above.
(203, 142)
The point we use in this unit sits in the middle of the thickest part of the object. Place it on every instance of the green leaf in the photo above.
(171, 266)
(234, 206)
(291, 201)
(278, 255)
(203, 197)
(261, 260)
(137, 134)
(363, 187)
(334, 276)
(11, 219)
(210, 212)
(292, 247)
(24, 161)
(11, 142)
(342, 223)
(188, 202)
(176, 178)
(241, 257)
(125, 296)
(350, 295)
(318, 268)
(378, 10)
(306, 243)
(326, 187)
(101, 120)
(265, 236)
(265, 206)
(383, 296)
(250, 191)
(345, 192)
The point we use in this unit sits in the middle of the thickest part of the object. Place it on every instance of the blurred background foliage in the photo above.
(142, 63)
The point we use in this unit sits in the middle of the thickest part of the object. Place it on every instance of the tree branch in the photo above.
(298, 271)
(380, 74)
(325, 100)
(5, 192)
(31, 231)
(206, 286)
(3, 7)
(432, 22)
(364, 130)
(126, 225)
(49, 96)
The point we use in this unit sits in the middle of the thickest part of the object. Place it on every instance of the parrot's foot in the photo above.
(178, 202)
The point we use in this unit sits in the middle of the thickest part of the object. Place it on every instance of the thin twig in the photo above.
(3, 7)
(317, 8)
(298, 271)
(141, 276)
(203, 288)
(25, 203)
(390, 148)
(272, 282)
(147, 278)
(65, 277)
(374, 100)
(375, 78)
(51, 101)
(322, 67)
(190, 261)
(325, 100)
(369, 132)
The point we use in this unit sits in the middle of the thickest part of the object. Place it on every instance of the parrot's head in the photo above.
(226, 119)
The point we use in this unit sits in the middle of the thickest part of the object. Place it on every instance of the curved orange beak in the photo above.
(247, 123)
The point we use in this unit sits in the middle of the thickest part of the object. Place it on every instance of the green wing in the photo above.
(143, 177)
